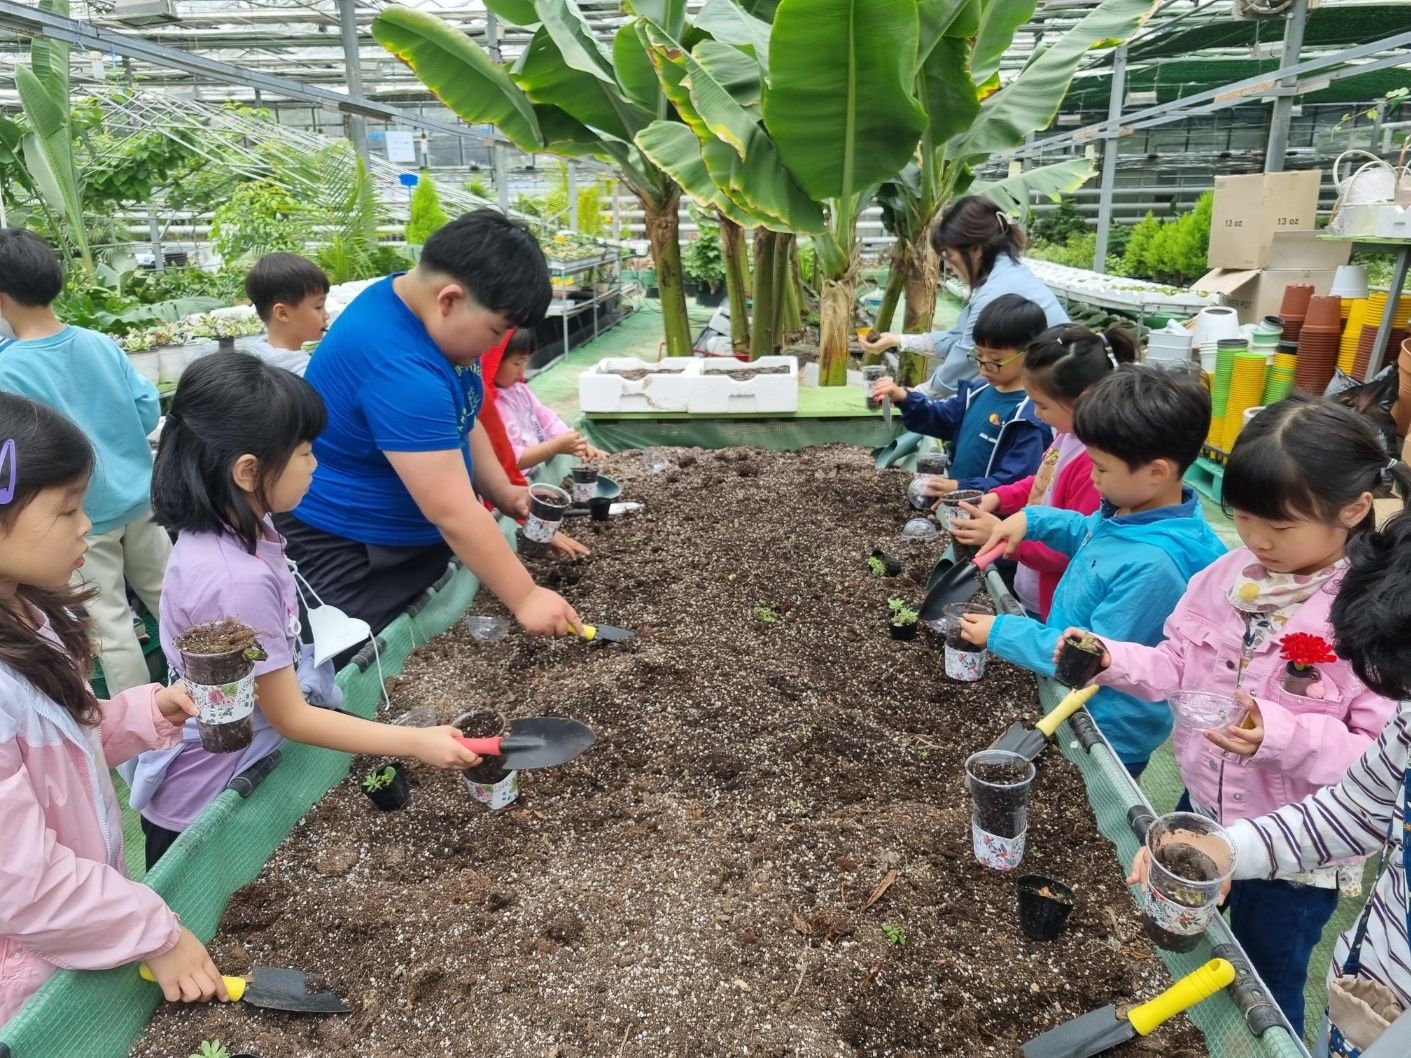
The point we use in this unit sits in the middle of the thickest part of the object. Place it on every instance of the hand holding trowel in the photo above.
(1030, 744)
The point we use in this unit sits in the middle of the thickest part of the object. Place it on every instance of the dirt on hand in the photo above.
(711, 879)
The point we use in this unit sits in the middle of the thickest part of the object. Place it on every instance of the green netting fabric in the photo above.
(1112, 792)
(102, 1014)
(784, 435)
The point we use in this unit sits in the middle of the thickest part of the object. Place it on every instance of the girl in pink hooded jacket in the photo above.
(65, 899)
(1300, 481)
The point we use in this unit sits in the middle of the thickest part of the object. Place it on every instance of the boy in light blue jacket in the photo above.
(1131, 560)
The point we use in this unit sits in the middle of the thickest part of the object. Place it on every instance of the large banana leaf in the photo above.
(675, 148)
(636, 76)
(1031, 101)
(944, 18)
(1051, 181)
(48, 154)
(729, 23)
(12, 154)
(514, 12)
(459, 72)
(670, 15)
(947, 90)
(545, 76)
(839, 106)
(734, 71)
(49, 58)
(580, 49)
(999, 19)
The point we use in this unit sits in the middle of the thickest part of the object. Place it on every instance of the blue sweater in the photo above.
(1007, 277)
(1126, 575)
(87, 377)
(1018, 450)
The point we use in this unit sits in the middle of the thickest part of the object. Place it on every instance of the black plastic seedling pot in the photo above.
(396, 794)
(891, 565)
(903, 632)
(1078, 661)
(1044, 906)
(600, 508)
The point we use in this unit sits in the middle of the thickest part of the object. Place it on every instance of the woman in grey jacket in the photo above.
(981, 245)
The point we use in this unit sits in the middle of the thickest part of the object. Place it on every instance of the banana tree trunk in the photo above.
(835, 312)
(922, 277)
(737, 273)
(786, 289)
(891, 294)
(666, 257)
(798, 297)
(766, 244)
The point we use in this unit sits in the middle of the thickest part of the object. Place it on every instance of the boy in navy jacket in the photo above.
(996, 436)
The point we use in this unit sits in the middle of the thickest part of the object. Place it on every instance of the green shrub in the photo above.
(1058, 225)
(702, 258)
(426, 214)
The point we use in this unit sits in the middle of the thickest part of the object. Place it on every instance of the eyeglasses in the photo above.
(993, 363)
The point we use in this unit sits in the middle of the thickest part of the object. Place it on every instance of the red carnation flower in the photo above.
(1306, 650)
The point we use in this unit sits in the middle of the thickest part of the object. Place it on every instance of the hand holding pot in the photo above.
(567, 547)
(887, 387)
(1243, 739)
(1009, 532)
(440, 747)
(175, 704)
(975, 530)
(938, 487)
(1141, 870)
(186, 972)
(546, 613)
(1080, 633)
(881, 343)
(975, 627)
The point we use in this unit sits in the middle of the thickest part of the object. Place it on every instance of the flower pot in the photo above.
(1078, 661)
(600, 508)
(891, 565)
(965, 662)
(709, 299)
(1305, 682)
(488, 782)
(1191, 858)
(218, 665)
(932, 464)
(906, 632)
(951, 509)
(1044, 905)
(1401, 410)
(226, 344)
(585, 483)
(653, 291)
(1350, 281)
(1323, 312)
(1212, 324)
(547, 506)
(1296, 299)
(870, 374)
(148, 365)
(171, 362)
(999, 782)
(394, 796)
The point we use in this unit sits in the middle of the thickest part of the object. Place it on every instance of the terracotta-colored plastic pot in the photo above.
(1296, 299)
(1324, 312)
(1402, 411)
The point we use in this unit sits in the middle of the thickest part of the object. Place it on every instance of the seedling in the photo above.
(896, 935)
(902, 615)
(804, 732)
(212, 1049)
(877, 566)
(635, 538)
(768, 613)
(796, 807)
(379, 780)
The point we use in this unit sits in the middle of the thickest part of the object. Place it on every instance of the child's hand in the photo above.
(938, 487)
(882, 342)
(1010, 532)
(1141, 867)
(1106, 657)
(567, 443)
(887, 387)
(546, 613)
(1246, 738)
(567, 547)
(438, 747)
(176, 705)
(186, 973)
(975, 627)
(976, 529)
(595, 455)
(989, 503)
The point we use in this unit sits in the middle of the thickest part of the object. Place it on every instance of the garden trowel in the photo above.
(277, 990)
(607, 633)
(1029, 744)
(1102, 1030)
(958, 583)
(535, 742)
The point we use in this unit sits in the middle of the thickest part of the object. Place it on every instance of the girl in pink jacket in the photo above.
(1061, 364)
(65, 898)
(1300, 481)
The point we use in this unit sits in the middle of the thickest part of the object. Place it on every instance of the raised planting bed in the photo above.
(767, 852)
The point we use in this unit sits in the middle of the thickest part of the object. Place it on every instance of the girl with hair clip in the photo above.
(65, 899)
(1060, 366)
(979, 243)
(1257, 624)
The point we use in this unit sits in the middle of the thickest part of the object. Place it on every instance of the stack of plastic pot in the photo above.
(1399, 324)
(1267, 334)
(1318, 344)
(1281, 374)
(1355, 315)
(1295, 308)
(1226, 351)
(1246, 391)
(1376, 306)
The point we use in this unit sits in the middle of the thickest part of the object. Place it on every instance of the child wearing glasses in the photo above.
(996, 436)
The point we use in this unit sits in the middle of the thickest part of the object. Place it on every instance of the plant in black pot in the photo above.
(1079, 660)
(387, 787)
(703, 262)
(903, 619)
(883, 564)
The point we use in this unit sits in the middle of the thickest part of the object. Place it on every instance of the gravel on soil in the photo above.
(766, 853)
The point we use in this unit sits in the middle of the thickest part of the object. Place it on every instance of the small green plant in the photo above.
(896, 935)
(902, 615)
(702, 258)
(795, 807)
(635, 538)
(804, 732)
(426, 214)
(379, 780)
(877, 566)
(212, 1049)
(924, 754)
(768, 613)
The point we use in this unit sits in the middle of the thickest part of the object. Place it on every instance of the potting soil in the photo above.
(767, 852)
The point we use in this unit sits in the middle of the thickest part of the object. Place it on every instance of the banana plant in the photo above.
(567, 95)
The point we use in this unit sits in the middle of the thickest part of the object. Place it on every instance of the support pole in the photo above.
(1285, 94)
(357, 124)
(572, 196)
(154, 233)
(497, 149)
(1109, 158)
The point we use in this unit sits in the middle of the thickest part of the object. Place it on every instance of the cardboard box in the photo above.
(1294, 257)
(1250, 210)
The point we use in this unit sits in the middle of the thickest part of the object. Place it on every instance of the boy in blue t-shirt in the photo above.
(996, 436)
(1132, 559)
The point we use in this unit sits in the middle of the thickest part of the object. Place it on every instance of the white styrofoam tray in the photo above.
(664, 389)
(715, 392)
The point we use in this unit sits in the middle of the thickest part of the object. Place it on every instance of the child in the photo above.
(65, 899)
(1130, 562)
(289, 293)
(536, 433)
(1367, 813)
(1059, 367)
(1300, 482)
(238, 448)
(87, 377)
(997, 438)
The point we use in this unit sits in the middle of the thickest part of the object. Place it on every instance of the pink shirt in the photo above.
(527, 421)
(1308, 743)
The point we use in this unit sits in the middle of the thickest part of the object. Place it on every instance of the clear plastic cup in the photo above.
(1200, 710)
(999, 784)
(919, 529)
(1191, 859)
(486, 628)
